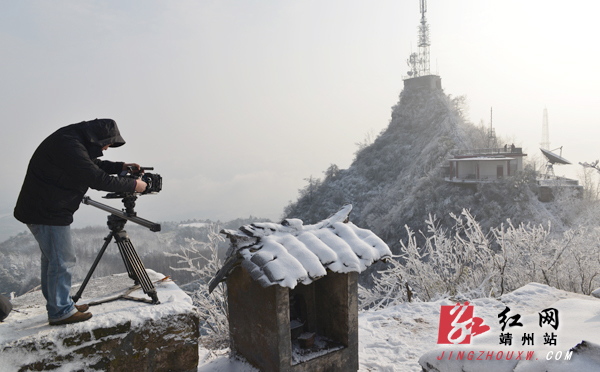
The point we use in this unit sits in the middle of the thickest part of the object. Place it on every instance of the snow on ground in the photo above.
(395, 338)
(220, 362)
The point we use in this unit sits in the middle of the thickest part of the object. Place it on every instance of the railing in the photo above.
(558, 181)
(490, 151)
(469, 180)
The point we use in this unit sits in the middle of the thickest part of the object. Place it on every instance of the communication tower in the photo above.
(491, 134)
(545, 144)
(419, 62)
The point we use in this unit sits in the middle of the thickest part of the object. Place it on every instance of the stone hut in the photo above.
(293, 292)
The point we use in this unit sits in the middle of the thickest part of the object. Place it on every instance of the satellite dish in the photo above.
(553, 158)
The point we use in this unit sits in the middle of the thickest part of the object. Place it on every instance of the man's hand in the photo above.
(134, 167)
(140, 186)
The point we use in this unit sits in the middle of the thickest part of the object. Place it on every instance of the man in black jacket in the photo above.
(59, 174)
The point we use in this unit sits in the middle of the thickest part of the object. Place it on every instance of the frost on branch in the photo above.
(203, 262)
(465, 262)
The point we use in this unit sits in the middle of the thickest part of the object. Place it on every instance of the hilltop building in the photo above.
(431, 82)
(484, 165)
(472, 167)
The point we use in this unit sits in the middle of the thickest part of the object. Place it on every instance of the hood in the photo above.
(97, 134)
(102, 132)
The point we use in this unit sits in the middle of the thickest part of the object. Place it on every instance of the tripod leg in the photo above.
(89, 274)
(134, 263)
(130, 272)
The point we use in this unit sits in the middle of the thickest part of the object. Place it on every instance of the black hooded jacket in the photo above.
(62, 169)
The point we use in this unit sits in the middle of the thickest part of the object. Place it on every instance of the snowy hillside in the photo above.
(19, 273)
(396, 339)
(398, 180)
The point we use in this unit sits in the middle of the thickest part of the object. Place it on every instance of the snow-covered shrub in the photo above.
(465, 263)
(449, 263)
(459, 263)
(570, 261)
(520, 254)
(389, 288)
(203, 262)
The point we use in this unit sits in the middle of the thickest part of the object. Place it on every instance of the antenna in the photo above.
(491, 133)
(424, 40)
(545, 144)
(419, 63)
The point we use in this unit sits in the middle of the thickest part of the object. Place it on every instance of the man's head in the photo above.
(100, 134)
(103, 132)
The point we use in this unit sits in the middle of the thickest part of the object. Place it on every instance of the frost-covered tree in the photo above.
(202, 260)
(589, 176)
(465, 262)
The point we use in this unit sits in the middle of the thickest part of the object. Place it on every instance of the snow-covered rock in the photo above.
(121, 335)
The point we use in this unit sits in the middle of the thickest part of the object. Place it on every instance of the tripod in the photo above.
(135, 268)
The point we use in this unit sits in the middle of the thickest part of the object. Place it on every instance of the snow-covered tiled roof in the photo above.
(290, 253)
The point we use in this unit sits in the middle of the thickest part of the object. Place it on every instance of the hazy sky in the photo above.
(236, 102)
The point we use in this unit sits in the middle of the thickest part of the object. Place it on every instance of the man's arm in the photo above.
(109, 167)
(115, 167)
(80, 168)
(140, 186)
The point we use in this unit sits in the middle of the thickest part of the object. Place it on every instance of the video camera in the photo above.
(153, 180)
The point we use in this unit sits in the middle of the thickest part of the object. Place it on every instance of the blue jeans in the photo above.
(58, 261)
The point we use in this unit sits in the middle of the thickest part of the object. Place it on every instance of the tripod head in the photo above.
(129, 203)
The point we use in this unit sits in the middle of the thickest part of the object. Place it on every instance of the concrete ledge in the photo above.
(122, 335)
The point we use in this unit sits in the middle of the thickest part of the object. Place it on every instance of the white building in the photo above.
(485, 165)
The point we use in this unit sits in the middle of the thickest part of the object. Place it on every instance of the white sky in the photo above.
(236, 102)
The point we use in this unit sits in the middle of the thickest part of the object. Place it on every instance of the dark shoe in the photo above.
(75, 318)
(82, 308)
